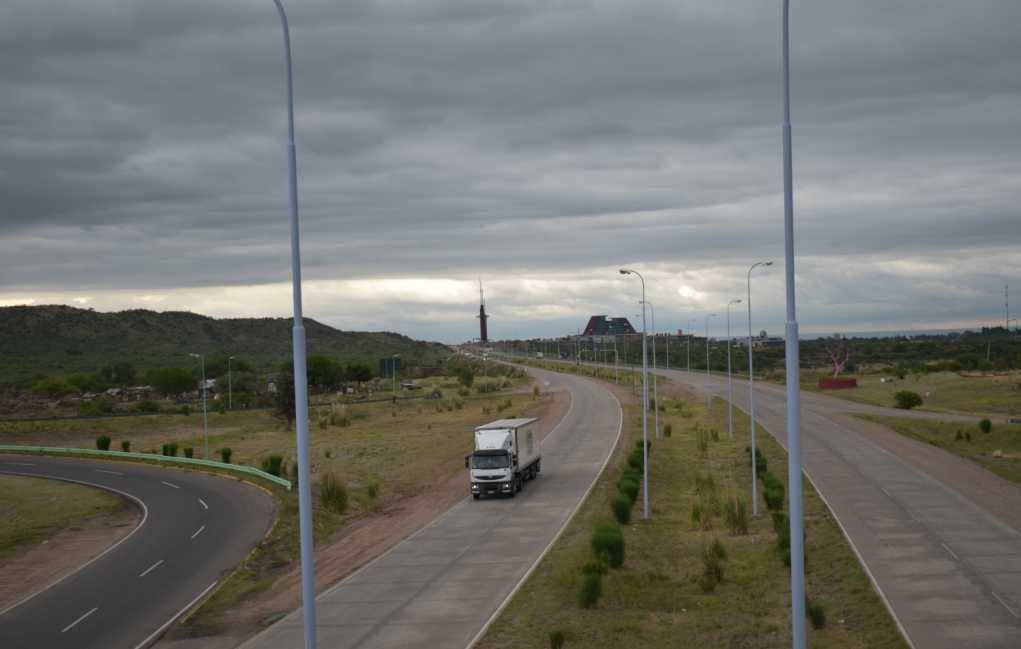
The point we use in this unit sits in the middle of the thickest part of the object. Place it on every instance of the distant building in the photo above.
(762, 340)
(601, 325)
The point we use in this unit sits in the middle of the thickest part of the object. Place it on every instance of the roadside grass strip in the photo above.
(699, 572)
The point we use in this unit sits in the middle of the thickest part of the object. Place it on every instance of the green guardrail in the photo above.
(121, 455)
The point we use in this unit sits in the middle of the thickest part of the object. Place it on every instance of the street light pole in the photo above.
(730, 399)
(230, 385)
(793, 371)
(393, 376)
(688, 327)
(485, 370)
(751, 390)
(655, 386)
(708, 377)
(205, 421)
(645, 397)
(300, 371)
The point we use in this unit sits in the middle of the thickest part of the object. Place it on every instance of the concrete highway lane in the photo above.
(950, 571)
(196, 529)
(442, 586)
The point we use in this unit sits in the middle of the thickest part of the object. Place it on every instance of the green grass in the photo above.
(655, 600)
(989, 395)
(1005, 438)
(34, 509)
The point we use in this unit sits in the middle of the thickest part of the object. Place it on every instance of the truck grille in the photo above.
(489, 477)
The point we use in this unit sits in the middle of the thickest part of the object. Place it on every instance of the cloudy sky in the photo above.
(535, 145)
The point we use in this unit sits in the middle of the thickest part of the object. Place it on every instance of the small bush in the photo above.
(629, 488)
(634, 475)
(985, 426)
(186, 409)
(326, 454)
(463, 392)
(126, 446)
(958, 437)
(593, 567)
(648, 445)
(147, 405)
(103, 443)
(222, 408)
(815, 613)
(437, 393)
(608, 545)
(535, 391)
(557, 638)
(711, 557)
(591, 588)
(189, 452)
(736, 515)
(967, 435)
(906, 399)
(702, 441)
(636, 460)
(333, 493)
(621, 506)
(668, 430)
(170, 449)
(773, 492)
(372, 490)
(225, 454)
(272, 464)
(705, 481)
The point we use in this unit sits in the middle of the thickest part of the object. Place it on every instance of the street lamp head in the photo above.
(768, 263)
(624, 271)
(195, 355)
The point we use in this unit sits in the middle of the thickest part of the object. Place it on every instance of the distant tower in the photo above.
(482, 316)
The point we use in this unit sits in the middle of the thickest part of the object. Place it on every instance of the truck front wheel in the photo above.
(475, 496)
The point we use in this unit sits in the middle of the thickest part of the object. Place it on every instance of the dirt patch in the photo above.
(62, 554)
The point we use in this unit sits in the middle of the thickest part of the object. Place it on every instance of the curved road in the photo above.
(949, 570)
(196, 529)
(442, 586)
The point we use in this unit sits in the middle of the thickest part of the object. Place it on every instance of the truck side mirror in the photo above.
(466, 460)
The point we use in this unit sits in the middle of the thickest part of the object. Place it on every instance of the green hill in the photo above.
(60, 340)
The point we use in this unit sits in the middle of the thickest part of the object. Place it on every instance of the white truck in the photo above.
(506, 454)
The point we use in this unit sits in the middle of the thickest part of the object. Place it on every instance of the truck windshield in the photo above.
(490, 462)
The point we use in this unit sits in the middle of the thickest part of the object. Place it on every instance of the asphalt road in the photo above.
(442, 586)
(196, 529)
(949, 570)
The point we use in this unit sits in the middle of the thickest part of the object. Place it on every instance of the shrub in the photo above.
(437, 393)
(557, 638)
(705, 481)
(773, 491)
(668, 430)
(591, 588)
(985, 426)
(636, 460)
(702, 441)
(326, 454)
(222, 408)
(225, 454)
(590, 567)
(170, 449)
(333, 493)
(648, 445)
(967, 435)
(272, 464)
(125, 446)
(633, 475)
(463, 392)
(621, 506)
(103, 443)
(711, 557)
(147, 405)
(372, 490)
(629, 488)
(535, 391)
(189, 452)
(958, 437)
(815, 613)
(185, 409)
(906, 399)
(608, 545)
(736, 515)
(702, 512)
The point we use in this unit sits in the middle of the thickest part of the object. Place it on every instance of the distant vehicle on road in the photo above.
(507, 452)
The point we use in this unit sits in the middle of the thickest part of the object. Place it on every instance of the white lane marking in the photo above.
(97, 608)
(886, 492)
(203, 503)
(1004, 604)
(169, 485)
(945, 547)
(151, 569)
(917, 520)
(110, 472)
(157, 632)
(199, 532)
(19, 464)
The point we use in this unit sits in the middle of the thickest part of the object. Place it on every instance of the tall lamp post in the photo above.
(730, 399)
(485, 370)
(708, 377)
(300, 371)
(645, 397)
(205, 420)
(688, 327)
(393, 375)
(793, 372)
(655, 387)
(751, 390)
(230, 385)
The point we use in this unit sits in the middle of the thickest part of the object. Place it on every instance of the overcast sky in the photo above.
(537, 146)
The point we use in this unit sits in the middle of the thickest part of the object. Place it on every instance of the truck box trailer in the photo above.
(507, 453)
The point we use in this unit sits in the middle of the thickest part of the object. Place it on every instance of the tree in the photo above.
(286, 404)
(835, 355)
(53, 388)
(121, 373)
(359, 372)
(464, 375)
(906, 399)
(319, 370)
(86, 382)
(172, 381)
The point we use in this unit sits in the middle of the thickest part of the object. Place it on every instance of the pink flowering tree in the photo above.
(840, 355)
